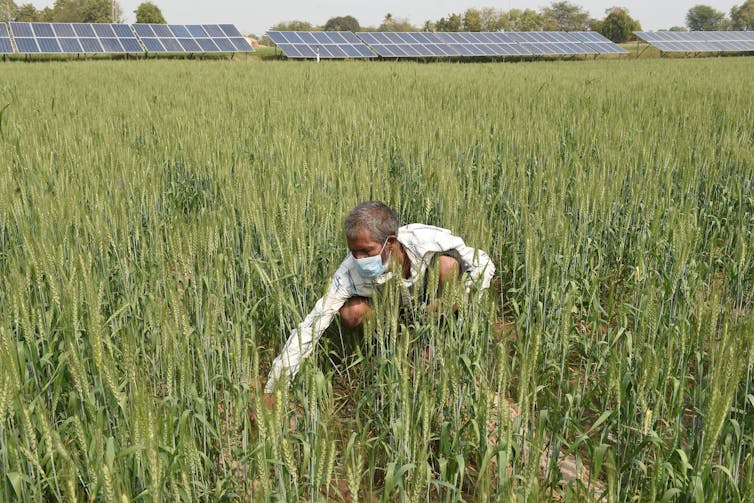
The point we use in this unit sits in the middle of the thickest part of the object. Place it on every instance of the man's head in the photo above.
(371, 228)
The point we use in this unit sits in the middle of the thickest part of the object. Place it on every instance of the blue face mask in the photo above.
(371, 267)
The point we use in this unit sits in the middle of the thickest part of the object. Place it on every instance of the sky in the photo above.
(257, 17)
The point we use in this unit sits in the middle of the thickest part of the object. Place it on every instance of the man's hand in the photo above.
(268, 402)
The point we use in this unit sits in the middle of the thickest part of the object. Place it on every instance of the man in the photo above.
(375, 243)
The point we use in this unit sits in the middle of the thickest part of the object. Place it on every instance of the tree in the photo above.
(454, 22)
(618, 26)
(293, 26)
(100, 11)
(596, 25)
(526, 20)
(704, 18)
(83, 11)
(491, 19)
(27, 13)
(342, 23)
(46, 15)
(742, 16)
(565, 16)
(147, 12)
(678, 28)
(472, 20)
(396, 24)
(8, 10)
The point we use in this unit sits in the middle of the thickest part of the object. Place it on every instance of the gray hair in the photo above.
(373, 216)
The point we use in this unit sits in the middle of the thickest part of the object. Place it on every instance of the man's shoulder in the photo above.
(420, 228)
(346, 266)
(422, 239)
(421, 232)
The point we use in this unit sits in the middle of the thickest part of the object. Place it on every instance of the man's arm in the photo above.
(479, 267)
(303, 339)
(474, 262)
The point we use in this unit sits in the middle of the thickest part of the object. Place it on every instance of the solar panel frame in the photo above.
(84, 30)
(49, 45)
(64, 30)
(91, 45)
(351, 51)
(71, 45)
(144, 30)
(230, 30)
(241, 44)
(196, 30)
(325, 45)
(6, 44)
(224, 44)
(103, 31)
(207, 44)
(179, 38)
(162, 31)
(153, 44)
(27, 45)
(21, 30)
(180, 31)
(214, 31)
(171, 44)
(111, 44)
(699, 41)
(122, 30)
(290, 50)
(309, 38)
(42, 30)
(55, 38)
(189, 45)
(598, 42)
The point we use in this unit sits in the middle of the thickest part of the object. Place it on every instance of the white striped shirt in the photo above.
(421, 244)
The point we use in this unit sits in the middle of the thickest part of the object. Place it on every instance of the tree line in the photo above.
(78, 11)
(617, 25)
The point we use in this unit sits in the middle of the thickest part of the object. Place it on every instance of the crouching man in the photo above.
(379, 250)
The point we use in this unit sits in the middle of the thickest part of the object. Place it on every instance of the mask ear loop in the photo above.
(390, 253)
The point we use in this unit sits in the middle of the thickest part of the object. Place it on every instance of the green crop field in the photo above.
(165, 224)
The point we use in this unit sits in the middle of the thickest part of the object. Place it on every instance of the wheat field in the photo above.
(165, 224)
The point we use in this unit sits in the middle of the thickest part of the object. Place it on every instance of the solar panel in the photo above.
(443, 44)
(323, 44)
(699, 41)
(27, 45)
(230, 31)
(22, 30)
(6, 46)
(552, 44)
(195, 38)
(63, 30)
(599, 43)
(74, 38)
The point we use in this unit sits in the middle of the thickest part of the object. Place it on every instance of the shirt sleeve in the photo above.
(303, 339)
(475, 263)
(479, 267)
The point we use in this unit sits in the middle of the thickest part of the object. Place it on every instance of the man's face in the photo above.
(362, 245)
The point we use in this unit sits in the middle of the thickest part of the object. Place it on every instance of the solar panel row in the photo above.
(82, 38)
(700, 41)
(74, 38)
(176, 38)
(6, 46)
(325, 44)
(441, 44)
(421, 44)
